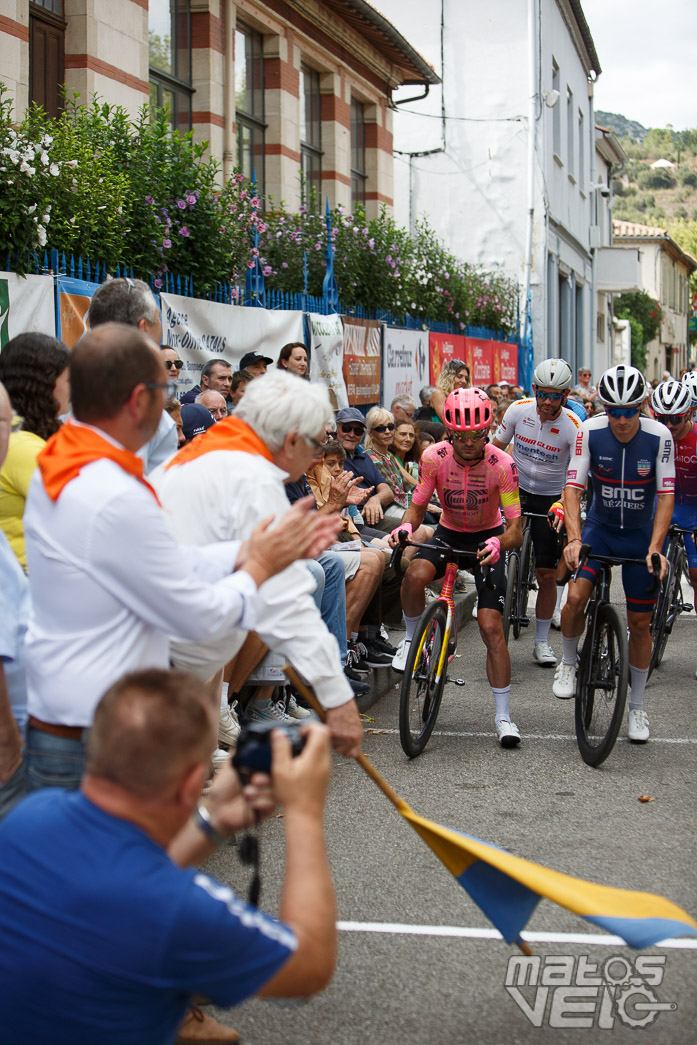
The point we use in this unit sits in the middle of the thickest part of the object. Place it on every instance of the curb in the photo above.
(384, 679)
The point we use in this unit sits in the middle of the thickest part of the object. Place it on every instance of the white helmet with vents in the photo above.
(552, 373)
(671, 397)
(690, 379)
(622, 386)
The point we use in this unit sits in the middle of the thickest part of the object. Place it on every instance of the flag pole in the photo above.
(363, 762)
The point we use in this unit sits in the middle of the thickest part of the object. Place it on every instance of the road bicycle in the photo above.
(670, 602)
(520, 580)
(432, 648)
(602, 675)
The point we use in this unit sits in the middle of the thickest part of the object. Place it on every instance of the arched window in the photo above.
(169, 37)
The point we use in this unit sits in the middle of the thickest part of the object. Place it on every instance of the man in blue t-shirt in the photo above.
(104, 933)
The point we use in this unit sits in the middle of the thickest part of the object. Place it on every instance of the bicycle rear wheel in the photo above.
(667, 609)
(509, 605)
(422, 688)
(601, 686)
(525, 566)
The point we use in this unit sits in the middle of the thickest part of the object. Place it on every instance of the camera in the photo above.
(253, 753)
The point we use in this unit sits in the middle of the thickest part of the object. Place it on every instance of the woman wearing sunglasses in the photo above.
(380, 431)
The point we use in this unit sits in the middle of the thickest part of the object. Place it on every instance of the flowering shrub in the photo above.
(97, 183)
(645, 316)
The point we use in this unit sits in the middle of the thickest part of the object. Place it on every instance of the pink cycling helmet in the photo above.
(467, 410)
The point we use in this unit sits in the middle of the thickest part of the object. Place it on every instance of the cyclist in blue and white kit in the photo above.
(629, 459)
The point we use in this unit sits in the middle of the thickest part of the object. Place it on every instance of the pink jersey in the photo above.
(471, 496)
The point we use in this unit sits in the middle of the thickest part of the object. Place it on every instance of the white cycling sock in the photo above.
(502, 698)
(637, 677)
(223, 697)
(542, 630)
(560, 596)
(410, 623)
(569, 649)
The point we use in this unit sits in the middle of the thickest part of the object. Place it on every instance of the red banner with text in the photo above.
(491, 361)
(444, 347)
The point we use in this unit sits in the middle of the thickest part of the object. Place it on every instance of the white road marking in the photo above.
(530, 736)
(474, 933)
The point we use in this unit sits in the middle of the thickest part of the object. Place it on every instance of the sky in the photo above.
(648, 53)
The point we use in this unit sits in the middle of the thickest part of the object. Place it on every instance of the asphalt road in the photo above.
(410, 985)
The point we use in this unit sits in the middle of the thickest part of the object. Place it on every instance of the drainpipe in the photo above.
(532, 131)
(593, 203)
(228, 90)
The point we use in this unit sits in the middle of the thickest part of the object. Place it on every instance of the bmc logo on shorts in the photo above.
(643, 467)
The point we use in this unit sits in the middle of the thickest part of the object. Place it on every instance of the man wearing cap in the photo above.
(350, 430)
(216, 375)
(254, 363)
(195, 420)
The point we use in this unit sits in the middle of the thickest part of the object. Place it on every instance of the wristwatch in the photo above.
(202, 818)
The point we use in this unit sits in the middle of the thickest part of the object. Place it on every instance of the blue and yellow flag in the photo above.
(508, 889)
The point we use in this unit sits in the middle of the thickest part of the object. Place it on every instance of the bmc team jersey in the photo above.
(541, 450)
(685, 513)
(626, 476)
(471, 496)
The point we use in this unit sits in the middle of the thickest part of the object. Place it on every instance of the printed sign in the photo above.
(201, 330)
(362, 362)
(327, 356)
(26, 303)
(74, 296)
(444, 347)
(405, 363)
(505, 361)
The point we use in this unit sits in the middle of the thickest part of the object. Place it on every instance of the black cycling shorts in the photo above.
(487, 599)
(546, 541)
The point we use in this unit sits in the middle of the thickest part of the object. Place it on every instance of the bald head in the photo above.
(105, 367)
(214, 403)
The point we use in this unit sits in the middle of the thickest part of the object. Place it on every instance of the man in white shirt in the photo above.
(219, 487)
(109, 583)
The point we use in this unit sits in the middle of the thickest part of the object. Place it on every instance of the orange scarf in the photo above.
(229, 434)
(72, 447)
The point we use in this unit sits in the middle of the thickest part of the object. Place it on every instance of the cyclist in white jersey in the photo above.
(543, 430)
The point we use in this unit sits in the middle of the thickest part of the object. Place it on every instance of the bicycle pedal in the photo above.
(523, 621)
(686, 607)
(455, 682)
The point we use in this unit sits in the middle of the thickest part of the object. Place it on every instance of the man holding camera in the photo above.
(95, 891)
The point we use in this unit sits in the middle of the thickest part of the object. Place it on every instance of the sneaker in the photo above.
(359, 687)
(378, 643)
(556, 620)
(266, 712)
(564, 685)
(475, 610)
(507, 732)
(544, 654)
(373, 655)
(228, 726)
(383, 633)
(399, 661)
(355, 660)
(638, 725)
(293, 709)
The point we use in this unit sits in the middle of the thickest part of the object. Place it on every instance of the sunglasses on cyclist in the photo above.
(382, 428)
(622, 411)
(175, 364)
(475, 436)
(554, 397)
(356, 429)
(674, 420)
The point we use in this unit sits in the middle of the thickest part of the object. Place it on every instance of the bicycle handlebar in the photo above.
(452, 554)
(616, 560)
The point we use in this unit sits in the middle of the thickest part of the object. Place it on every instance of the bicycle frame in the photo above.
(446, 597)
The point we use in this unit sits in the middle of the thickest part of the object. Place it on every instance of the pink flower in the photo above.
(284, 264)
(183, 231)
(158, 283)
(318, 246)
(267, 270)
(181, 204)
(239, 178)
(166, 243)
(250, 264)
(191, 200)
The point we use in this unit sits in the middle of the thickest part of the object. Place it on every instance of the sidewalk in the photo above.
(382, 679)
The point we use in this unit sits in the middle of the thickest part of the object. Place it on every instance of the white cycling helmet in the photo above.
(622, 386)
(552, 373)
(671, 397)
(690, 379)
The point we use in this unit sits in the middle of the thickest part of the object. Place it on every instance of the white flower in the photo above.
(54, 169)
(13, 155)
(71, 163)
(46, 140)
(30, 210)
(41, 235)
(29, 153)
(44, 158)
(46, 218)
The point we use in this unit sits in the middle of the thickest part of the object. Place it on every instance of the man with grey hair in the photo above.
(214, 403)
(402, 408)
(131, 301)
(216, 376)
(219, 488)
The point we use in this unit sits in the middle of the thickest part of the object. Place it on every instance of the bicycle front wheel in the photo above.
(601, 686)
(509, 606)
(422, 685)
(666, 611)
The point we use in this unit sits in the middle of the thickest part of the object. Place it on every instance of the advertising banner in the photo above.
(74, 296)
(201, 330)
(26, 303)
(444, 347)
(506, 362)
(362, 362)
(405, 366)
(491, 361)
(327, 356)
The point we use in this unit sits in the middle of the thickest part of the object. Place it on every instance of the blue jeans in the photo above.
(53, 761)
(12, 790)
(331, 595)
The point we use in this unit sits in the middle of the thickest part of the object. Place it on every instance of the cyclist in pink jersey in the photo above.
(475, 482)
